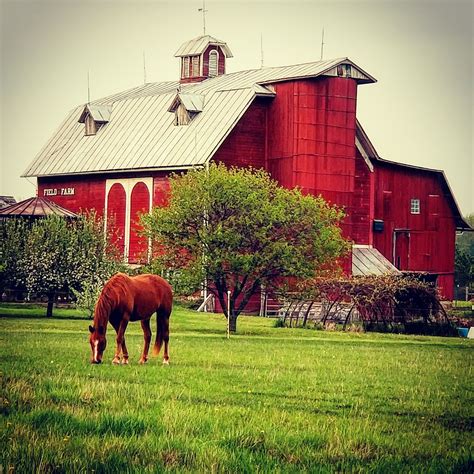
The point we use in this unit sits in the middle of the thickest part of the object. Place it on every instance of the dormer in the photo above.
(202, 57)
(186, 107)
(94, 116)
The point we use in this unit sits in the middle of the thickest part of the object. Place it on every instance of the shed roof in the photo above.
(369, 261)
(141, 134)
(192, 102)
(100, 113)
(35, 207)
(198, 46)
(6, 201)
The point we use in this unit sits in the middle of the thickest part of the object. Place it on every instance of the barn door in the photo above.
(116, 199)
(401, 252)
(139, 203)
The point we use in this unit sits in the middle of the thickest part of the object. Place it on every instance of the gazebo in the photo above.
(34, 208)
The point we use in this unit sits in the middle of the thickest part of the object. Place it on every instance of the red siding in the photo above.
(116, 215)
(138, 244)
(311, 138)
(89, 193)
(245, 145)
(425, 241)
(362, 205)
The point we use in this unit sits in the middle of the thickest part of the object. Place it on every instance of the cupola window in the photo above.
(213, 63)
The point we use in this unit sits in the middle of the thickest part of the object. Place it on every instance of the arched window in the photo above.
(213, 63)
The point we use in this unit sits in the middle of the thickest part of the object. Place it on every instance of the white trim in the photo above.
(364, 155)
(217, 62)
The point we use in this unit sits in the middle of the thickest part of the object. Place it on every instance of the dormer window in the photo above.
(94, 117)
(186, 107)
(213, 63)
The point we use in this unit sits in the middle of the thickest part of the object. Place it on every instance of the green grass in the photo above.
(267, 400)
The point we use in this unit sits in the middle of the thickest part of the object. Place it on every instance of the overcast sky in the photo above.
(421, 52)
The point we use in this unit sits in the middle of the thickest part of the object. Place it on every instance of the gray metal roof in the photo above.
(198, 46)
(369, 261)
(141, 134)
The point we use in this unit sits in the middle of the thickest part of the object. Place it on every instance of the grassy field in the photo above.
(267, 400)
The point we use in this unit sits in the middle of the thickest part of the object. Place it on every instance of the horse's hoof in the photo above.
(142, 361)
(125, 362)
(116, 361)
(166, 362)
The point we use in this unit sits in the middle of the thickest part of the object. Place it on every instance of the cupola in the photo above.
(202, 57)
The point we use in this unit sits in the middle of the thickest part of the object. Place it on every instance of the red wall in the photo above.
(311, 138)
(362, 211)
(89, 193)
(245, 145)
(429, 237)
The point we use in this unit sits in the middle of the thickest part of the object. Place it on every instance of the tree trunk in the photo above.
(49, 309)
(233, 323)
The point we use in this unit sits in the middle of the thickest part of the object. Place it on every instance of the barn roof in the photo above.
(35, 207)
(141, 134)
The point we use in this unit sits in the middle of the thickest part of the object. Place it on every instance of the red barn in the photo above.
(298, 122)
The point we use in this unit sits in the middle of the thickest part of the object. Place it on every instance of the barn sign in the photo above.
(59, 192)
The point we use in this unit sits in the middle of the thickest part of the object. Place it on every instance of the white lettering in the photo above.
(50, 192)
(68, 191)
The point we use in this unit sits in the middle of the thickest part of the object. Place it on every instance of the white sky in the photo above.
(420, 112)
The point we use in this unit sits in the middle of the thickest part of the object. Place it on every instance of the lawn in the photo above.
(267, 400)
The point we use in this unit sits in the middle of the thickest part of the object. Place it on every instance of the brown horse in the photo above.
(125, 299)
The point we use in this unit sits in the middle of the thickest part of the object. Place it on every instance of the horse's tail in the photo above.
(162, 329)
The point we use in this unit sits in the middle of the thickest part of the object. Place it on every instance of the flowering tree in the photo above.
(236, 229)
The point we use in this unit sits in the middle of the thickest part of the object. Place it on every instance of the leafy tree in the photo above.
(55, 254)
(12, 245)
(464, 258)
(237, 230)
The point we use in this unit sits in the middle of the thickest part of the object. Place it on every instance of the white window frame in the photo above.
(415, 206)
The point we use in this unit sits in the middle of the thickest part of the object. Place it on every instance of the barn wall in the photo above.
(245, 145)
(415, 242)
(311, 138)
(74, 193)
(362, 211)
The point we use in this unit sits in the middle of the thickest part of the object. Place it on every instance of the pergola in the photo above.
(35, 207)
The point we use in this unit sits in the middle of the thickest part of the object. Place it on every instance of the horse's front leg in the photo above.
(147, 338)
(120, 340)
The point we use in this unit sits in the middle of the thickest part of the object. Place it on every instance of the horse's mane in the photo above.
(112, 293)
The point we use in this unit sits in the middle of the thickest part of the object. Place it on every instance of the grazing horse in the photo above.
(125, 299)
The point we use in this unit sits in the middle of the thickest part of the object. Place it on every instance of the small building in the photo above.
(298, 122)
(6, 201)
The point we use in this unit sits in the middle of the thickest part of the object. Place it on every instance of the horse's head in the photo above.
(98, 343)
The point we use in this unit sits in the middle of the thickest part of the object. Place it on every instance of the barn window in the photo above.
(195, 66)
(415, 206)
(186, 65)
(213, 63)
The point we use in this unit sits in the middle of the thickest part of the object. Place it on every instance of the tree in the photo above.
(55, 254)
(238, 230)
(464, 258)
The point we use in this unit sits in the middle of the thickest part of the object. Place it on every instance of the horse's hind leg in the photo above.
(147, 339)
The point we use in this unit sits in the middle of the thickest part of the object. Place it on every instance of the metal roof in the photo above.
(369, 261)
(141, 134)
(35, 207)
(198, 46)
